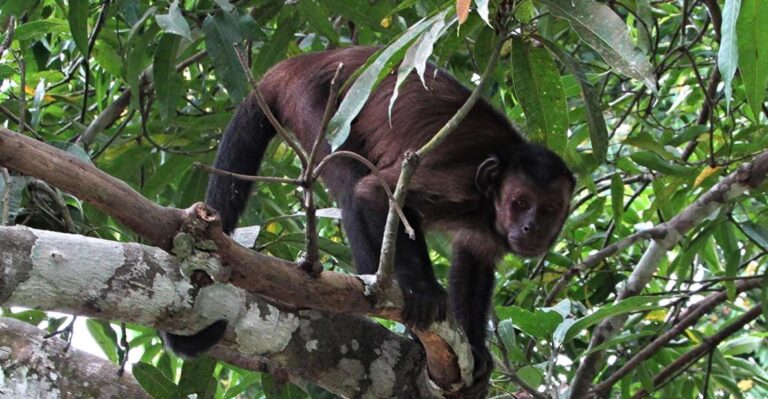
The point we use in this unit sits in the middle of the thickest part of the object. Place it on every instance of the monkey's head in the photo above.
(531, 190)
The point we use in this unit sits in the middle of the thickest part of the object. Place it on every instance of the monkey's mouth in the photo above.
(526, 248)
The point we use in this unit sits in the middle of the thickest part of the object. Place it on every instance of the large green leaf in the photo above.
(221, 34)
(154, 381)
(605, 32)
(77, 16)
(174, 22)
(367, 81)
(168, 84)
(629, 305)
(197, 378)
(598, 132)
(540, 91)
(728, 54)
(753, 51)
(105, 337)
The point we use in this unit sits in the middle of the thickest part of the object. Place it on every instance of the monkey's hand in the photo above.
(425, 302)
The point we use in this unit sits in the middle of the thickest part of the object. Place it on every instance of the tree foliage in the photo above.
(652, 103)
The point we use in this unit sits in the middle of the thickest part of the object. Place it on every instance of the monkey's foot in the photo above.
(425, 302)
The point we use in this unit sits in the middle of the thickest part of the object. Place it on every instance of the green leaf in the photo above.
(378, 67)
(154, 381)
(275, 49)
(167, 173)
(317, 18)
(274, 389)
(654, 162)
(617, 197)
(225, 5)
(417, 54)
(77, 15)
(753, 51)
(105, 337)
(598, 132)
(197, 378)
(482, 10)
(728, 54)
(605, 32)
(538, 324)
(533, 376)
(756, 232)
(629, 305)
(741, 345)
(36, 29)
(174, 22)
(168, 84)
(540, 91)
(220, 37)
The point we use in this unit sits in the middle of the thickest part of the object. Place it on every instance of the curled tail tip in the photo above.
(196, 344)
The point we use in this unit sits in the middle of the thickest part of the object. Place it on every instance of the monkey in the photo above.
(489, 187)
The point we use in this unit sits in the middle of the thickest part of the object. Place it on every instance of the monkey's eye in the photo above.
(520, 204)
(550, 209)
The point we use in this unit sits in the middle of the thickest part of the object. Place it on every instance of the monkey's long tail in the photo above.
(242, 147)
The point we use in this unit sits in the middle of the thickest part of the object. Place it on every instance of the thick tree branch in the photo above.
(349, 355)
(747, 176)
(707, 346)
(33, 366)
(691, 316)
(274, 278)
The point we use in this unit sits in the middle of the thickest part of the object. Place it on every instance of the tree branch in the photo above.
(31, 363)
(747, 176)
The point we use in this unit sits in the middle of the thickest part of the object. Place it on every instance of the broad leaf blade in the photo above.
(220, 37)
(77, 16)
(174, 22)
(539, 89)
(753, 51)
(154, 381)
(168, 85)
(605, 32)
(728, 54)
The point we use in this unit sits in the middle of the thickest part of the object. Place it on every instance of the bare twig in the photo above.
(261, 179)
(709, 344)
(412, 159)
(692, 315)
(8, 185)
(747, 176)
(379, 176)
(311, 262)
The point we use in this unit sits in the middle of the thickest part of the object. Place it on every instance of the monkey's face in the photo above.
(530, 216)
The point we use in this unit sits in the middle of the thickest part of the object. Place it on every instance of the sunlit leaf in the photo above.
(462, 10)
(539, 89)
(728, 54)
(753, 51)
(77, 16)
(605, 32)
(174, 22)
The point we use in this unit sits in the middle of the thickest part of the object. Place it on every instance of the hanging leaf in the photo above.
(617, 197)
(598, 132)
(728, 54)
(168, 84)
(482, 10)
(197, 378)
(174, 22)
(372, 74)
(154, 381)
(753, 51)
(417, 55)
(607, 33)
(221, 34)
(539, 89)
(77, 16)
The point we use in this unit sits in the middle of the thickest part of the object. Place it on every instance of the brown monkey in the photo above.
(489, 187)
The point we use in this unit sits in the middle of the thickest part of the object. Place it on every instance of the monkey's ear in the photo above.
(487, 174)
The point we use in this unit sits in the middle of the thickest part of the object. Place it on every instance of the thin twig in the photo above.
(311, 261)
(412, 159)
(262, 179)
(379, 176)
(709, 344)
(6, 215)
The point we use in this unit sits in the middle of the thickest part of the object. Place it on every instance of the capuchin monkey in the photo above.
(486, 185)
